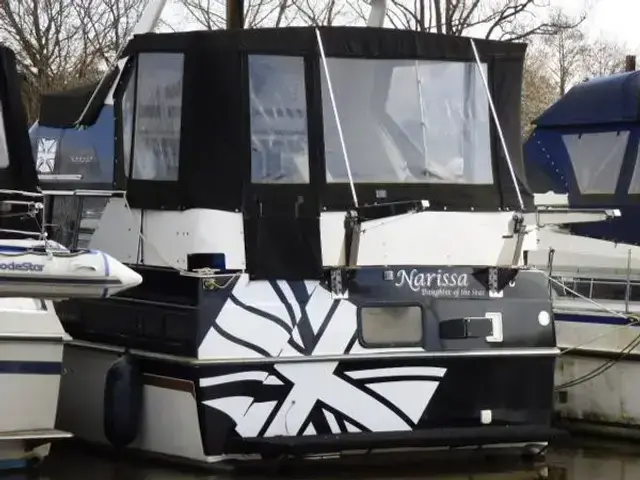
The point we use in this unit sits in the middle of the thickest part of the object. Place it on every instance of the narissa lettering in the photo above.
(417, 280)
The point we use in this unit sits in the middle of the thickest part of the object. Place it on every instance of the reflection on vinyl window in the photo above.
(634, 186)
(4, 151)
(596, 159)
(156, 151)
(126, 113)
(279, 142)
(407, 121)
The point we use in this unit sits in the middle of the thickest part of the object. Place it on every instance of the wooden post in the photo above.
(235, 14)
(630, 63)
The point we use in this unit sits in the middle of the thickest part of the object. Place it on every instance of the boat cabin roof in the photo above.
(17, 171)
(600, 101)
(219, 119)
(586, 143)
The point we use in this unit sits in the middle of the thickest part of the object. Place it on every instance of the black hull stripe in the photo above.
(256, 389)
(347, 418)
(351, 343)
(261, 313)
(273, 414)
(401, 378)
(326, 321)
(238, 341)
(283, 298)
(361, 385)
(307, 336)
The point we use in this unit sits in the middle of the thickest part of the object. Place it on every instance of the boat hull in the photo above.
(242, 367)
(200, 411)
(30, 370)
(608, 403)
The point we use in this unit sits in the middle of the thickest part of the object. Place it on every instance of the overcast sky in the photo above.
(617, 20)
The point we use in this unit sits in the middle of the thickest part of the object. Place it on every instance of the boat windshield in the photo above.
(4, 151)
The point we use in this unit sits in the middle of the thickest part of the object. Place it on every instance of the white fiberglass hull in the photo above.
(605, 399)
(31, 348)
(595, 383)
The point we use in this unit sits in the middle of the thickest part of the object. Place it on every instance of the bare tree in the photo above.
(539, 90)
(498, 19)
(326, 12)
(603, 57)
(565, 52)
(211, 14)
(63, 43)
(107, 24)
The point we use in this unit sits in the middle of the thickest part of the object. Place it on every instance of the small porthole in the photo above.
(391, 326)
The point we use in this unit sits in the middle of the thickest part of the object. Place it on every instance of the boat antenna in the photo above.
(497, 122)
(337, 117)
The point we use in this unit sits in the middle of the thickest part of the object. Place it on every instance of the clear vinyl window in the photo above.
(407, 121)
(158, 116)
(596, 159)
(127, 109)
(278, 102)
(4, 148)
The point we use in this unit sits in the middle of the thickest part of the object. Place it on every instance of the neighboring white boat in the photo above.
(597, 313)
(32, 339)
(585, 147)
(31, 349)
(33, 271)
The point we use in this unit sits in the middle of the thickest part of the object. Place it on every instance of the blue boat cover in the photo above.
(603, 100)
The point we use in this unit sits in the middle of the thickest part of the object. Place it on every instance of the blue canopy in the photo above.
(604, 100)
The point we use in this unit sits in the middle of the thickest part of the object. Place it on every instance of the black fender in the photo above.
(123, 395)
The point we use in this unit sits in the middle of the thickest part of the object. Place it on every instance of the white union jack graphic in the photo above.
(46, 155)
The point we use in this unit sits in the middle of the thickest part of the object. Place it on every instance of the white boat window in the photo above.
(279, 138)
(4, 150)
(126, 114)
(596, 159)
(407, 121)
(391, 326)
(156, 149)
(598, 288)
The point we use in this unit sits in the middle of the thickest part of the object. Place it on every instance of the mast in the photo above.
(235, 14)
(377, 14)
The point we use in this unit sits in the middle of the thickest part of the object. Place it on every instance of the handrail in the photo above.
(630, 294)
(83, 193)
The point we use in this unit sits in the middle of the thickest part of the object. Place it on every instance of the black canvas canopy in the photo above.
(210, 102)
(17, 169)
(63, 109)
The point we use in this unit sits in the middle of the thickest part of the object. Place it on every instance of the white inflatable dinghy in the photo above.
(46, 269)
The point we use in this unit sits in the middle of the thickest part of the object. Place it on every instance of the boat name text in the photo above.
(22, 267)
(437, 284)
